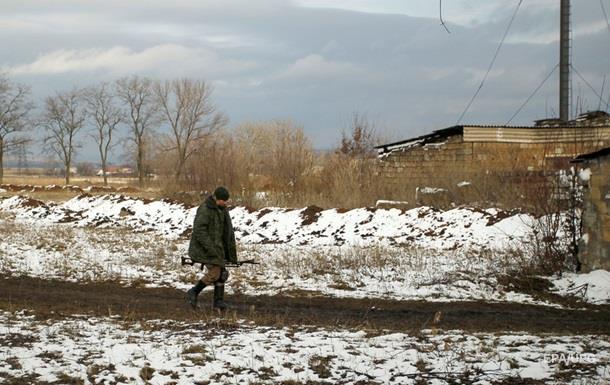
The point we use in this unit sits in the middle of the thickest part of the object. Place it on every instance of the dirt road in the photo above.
(56, 299)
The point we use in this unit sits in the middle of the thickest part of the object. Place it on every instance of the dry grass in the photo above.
(348, 263)
(359, 261)
(327, 180)
(82, 253)
(36, 178)
(321, 366)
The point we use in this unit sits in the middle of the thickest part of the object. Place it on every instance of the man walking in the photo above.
(212, 244)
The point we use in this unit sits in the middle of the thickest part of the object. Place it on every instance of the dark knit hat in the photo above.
(221, 193)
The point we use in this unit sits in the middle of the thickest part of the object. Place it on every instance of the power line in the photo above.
(440, 14)
(587, 83)
(601, 3)
(493, 60)
(532, 95)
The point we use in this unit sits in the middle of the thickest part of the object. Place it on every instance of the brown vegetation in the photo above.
(274, 163)
(15, 107)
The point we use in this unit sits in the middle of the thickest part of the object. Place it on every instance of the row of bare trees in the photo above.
(180, 111)
(274, 163)
(271, 156)
(175, 129)
(15, 109)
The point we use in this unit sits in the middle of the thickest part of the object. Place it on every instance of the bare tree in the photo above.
(292, 154)
(15, 108)
(277, 153)
(142, 115)
(187, 108)
(106, 116)
(63, 117)
(360, 143)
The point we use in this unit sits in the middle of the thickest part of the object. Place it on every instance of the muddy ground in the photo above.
(58, 299)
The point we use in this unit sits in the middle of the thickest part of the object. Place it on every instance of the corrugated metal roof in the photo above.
(592, 155)
(534, 127)
(535, 135)
(509, 134)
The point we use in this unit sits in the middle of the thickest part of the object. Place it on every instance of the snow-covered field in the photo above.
(105, 351)
(420, 254)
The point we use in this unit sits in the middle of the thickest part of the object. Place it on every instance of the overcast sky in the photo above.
(316, 61)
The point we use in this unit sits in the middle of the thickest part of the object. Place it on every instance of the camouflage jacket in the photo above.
(213, 240)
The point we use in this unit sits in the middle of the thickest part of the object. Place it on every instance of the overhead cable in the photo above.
(440, 14)
(532, 95)
(493, 60)
(601, 3)
(589, 85)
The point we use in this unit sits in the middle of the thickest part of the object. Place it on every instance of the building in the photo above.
(116, 171)
(477, 155)
(594, 246)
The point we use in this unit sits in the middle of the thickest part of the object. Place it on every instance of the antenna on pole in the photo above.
(564, 61)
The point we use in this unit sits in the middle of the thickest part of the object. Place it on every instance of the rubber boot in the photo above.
(191, 295)
(219, 293)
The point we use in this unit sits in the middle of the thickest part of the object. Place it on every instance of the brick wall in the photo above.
(447, 163)
(594, 248)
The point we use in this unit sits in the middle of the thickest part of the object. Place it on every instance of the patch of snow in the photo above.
(261, 195)
(459, 228)
(584, 174)
(430, 190)
(435, 145)
(385, 151)
(594, 287)
(62, 251)
(382, 202)
(102, 350)
(420, 253)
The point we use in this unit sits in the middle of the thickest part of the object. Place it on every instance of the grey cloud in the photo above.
(273, 59)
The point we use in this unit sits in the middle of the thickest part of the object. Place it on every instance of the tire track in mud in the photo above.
(58, 299)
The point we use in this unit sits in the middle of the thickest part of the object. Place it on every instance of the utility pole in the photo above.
(22, 158)
(564, 61)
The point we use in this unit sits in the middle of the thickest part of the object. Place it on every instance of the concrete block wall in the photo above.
(594, 247)
(454, 160)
